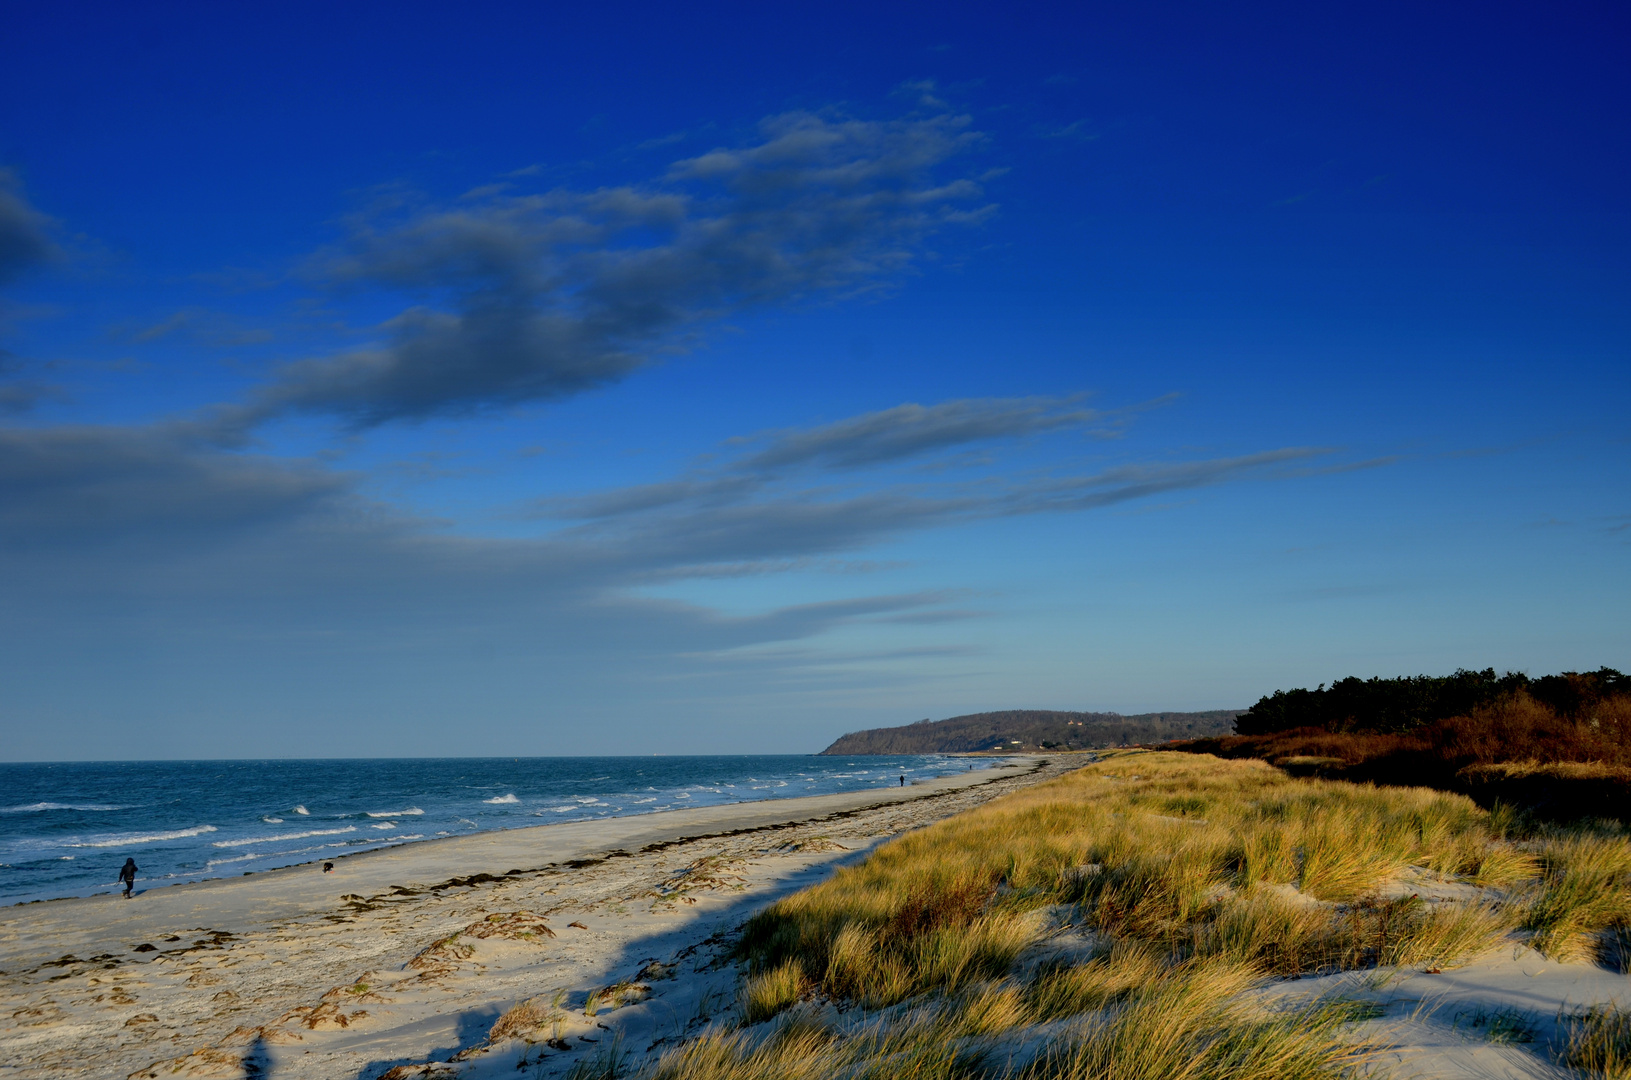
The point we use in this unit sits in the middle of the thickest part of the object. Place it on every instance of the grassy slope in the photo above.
(1198, 878)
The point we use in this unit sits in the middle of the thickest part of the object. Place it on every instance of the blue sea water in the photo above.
(67, 827)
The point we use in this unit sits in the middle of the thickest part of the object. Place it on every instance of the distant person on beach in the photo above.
(127, 875)
(903, 781)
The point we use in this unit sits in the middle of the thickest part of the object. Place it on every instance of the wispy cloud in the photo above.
(527, 297)
(21, 397)
(870, 440)
(911, 430)
(25, 239)
(784, 501)
(72, 486)
(210, 328)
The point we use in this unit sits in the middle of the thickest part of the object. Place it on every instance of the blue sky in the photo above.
(416, 379)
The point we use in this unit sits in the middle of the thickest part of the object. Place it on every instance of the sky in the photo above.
(442, 380)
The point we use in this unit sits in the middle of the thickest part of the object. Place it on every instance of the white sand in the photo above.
(255, 981)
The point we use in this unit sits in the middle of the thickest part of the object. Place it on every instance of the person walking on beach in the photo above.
(127, 874)
(903, 781)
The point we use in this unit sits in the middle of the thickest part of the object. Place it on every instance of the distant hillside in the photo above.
(1034, 729)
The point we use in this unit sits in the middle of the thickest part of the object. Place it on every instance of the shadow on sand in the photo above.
(666, 947)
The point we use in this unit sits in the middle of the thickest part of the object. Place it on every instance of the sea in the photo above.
(67, 827)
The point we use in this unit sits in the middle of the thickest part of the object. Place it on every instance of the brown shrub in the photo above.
(1516, 749)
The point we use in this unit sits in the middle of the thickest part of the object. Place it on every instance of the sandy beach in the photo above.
(352, 974)
(536, 951)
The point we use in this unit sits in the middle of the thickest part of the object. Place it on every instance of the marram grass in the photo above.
(1192, 855)
(1198, 879)
(1598, 1043)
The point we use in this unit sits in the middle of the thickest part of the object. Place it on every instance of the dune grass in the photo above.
(1194, 879)
(1583, 891)
(1192, 856)
(1183, 1023)
(1184, 1026)
(1598, 1042)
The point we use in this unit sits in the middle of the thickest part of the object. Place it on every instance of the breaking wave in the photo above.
(282, 836)
(34, 808)
(146, 838)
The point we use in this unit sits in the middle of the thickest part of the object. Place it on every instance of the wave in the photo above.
(147, 838)
(412, 811)
(504, 800)
(301, 810)
(384, 825)
(34, 808)
(281, 837)
(235, 858)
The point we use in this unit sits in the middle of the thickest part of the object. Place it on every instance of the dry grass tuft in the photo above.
(1184, 1026)
(524, 1020)
(1585, 888)
(1598, 1042)
(1102, 981)
(766, 995)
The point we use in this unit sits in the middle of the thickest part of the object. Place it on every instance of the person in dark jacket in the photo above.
(127, 874)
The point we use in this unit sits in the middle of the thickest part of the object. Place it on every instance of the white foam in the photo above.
(235, 858)
(146, 838)
(272, 820)
(412, 811)
(34, 808)
(281, 837)
(302, 811)
(503, 800)
(384, 825)
(564, 809)
(652, 799)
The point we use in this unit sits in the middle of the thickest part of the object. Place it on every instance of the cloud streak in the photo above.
(25, 240)
(781, 503)
(870, 440)
(912, 430)
(522, 298)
